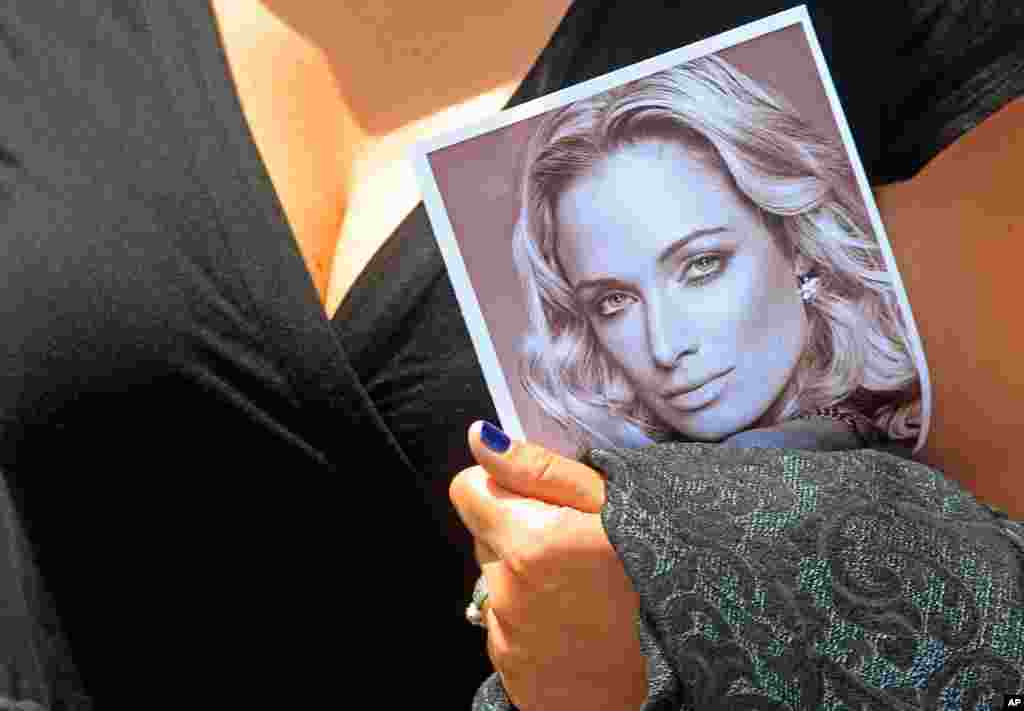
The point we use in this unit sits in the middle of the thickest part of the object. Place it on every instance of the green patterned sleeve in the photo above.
(788, 579)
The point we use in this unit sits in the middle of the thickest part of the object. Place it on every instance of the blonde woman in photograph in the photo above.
(698, 265)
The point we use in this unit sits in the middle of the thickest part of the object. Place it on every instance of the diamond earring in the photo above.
(808, 285)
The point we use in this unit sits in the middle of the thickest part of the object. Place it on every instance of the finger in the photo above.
(533, 471)
(503, 521)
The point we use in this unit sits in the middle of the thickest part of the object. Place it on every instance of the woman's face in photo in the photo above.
(686, 289)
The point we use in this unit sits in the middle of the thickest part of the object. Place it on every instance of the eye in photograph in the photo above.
(703, 268)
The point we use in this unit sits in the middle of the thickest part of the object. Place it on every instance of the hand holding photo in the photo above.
(697, 257)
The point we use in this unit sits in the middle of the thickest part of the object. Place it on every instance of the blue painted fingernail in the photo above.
(494, 438)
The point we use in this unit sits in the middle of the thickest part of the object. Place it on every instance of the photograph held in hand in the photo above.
(682, 250)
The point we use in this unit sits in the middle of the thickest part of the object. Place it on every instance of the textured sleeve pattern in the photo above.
(785, 579)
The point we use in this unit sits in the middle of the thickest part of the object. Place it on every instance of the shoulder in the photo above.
(955, 224)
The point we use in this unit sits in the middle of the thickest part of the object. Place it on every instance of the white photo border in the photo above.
(494, 375)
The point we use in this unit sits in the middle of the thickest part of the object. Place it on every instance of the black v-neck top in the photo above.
(225, 488)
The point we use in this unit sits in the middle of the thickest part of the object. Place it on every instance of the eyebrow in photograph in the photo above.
(666, 254)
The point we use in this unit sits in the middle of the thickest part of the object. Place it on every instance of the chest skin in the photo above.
(299, 123)
(334, 134)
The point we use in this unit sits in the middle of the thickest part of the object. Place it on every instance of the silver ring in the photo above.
(477, 607)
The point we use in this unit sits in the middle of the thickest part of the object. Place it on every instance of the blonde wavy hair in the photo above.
(857, 354)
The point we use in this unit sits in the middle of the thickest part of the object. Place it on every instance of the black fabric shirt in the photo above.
(225, 488)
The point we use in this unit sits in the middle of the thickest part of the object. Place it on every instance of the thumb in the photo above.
(535, 472)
